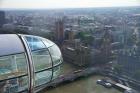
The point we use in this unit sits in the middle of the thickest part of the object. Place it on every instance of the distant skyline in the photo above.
(52, 4)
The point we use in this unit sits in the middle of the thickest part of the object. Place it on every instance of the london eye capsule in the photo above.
(27, 62)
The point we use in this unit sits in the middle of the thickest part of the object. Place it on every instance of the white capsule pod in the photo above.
(27, 63)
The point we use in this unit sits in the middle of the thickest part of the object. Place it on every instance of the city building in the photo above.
(129, 55)
(2, 18)
(75, 53)
(59, 31)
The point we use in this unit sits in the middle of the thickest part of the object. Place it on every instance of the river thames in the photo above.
(83, 85)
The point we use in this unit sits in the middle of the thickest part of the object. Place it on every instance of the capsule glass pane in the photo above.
(56, 71)
(42, 59)
(13, 73)
(55, 54)
(34, 43)
(43, 77)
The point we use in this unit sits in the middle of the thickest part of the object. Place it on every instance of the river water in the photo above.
(84, 85)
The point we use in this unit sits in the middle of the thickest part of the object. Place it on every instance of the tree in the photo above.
(86, 38)
(118, 68)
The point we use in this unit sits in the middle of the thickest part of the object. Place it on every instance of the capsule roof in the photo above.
(12, 44)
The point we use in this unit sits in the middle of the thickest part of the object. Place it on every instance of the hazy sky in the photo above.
(66, 3)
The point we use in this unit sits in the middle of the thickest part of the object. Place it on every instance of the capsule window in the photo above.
(56, 54)
(56, 72)
(41, 59)
(34, 43)
(42, 63)
(13, 73)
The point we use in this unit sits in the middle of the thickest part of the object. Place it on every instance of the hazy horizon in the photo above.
(62, 4)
